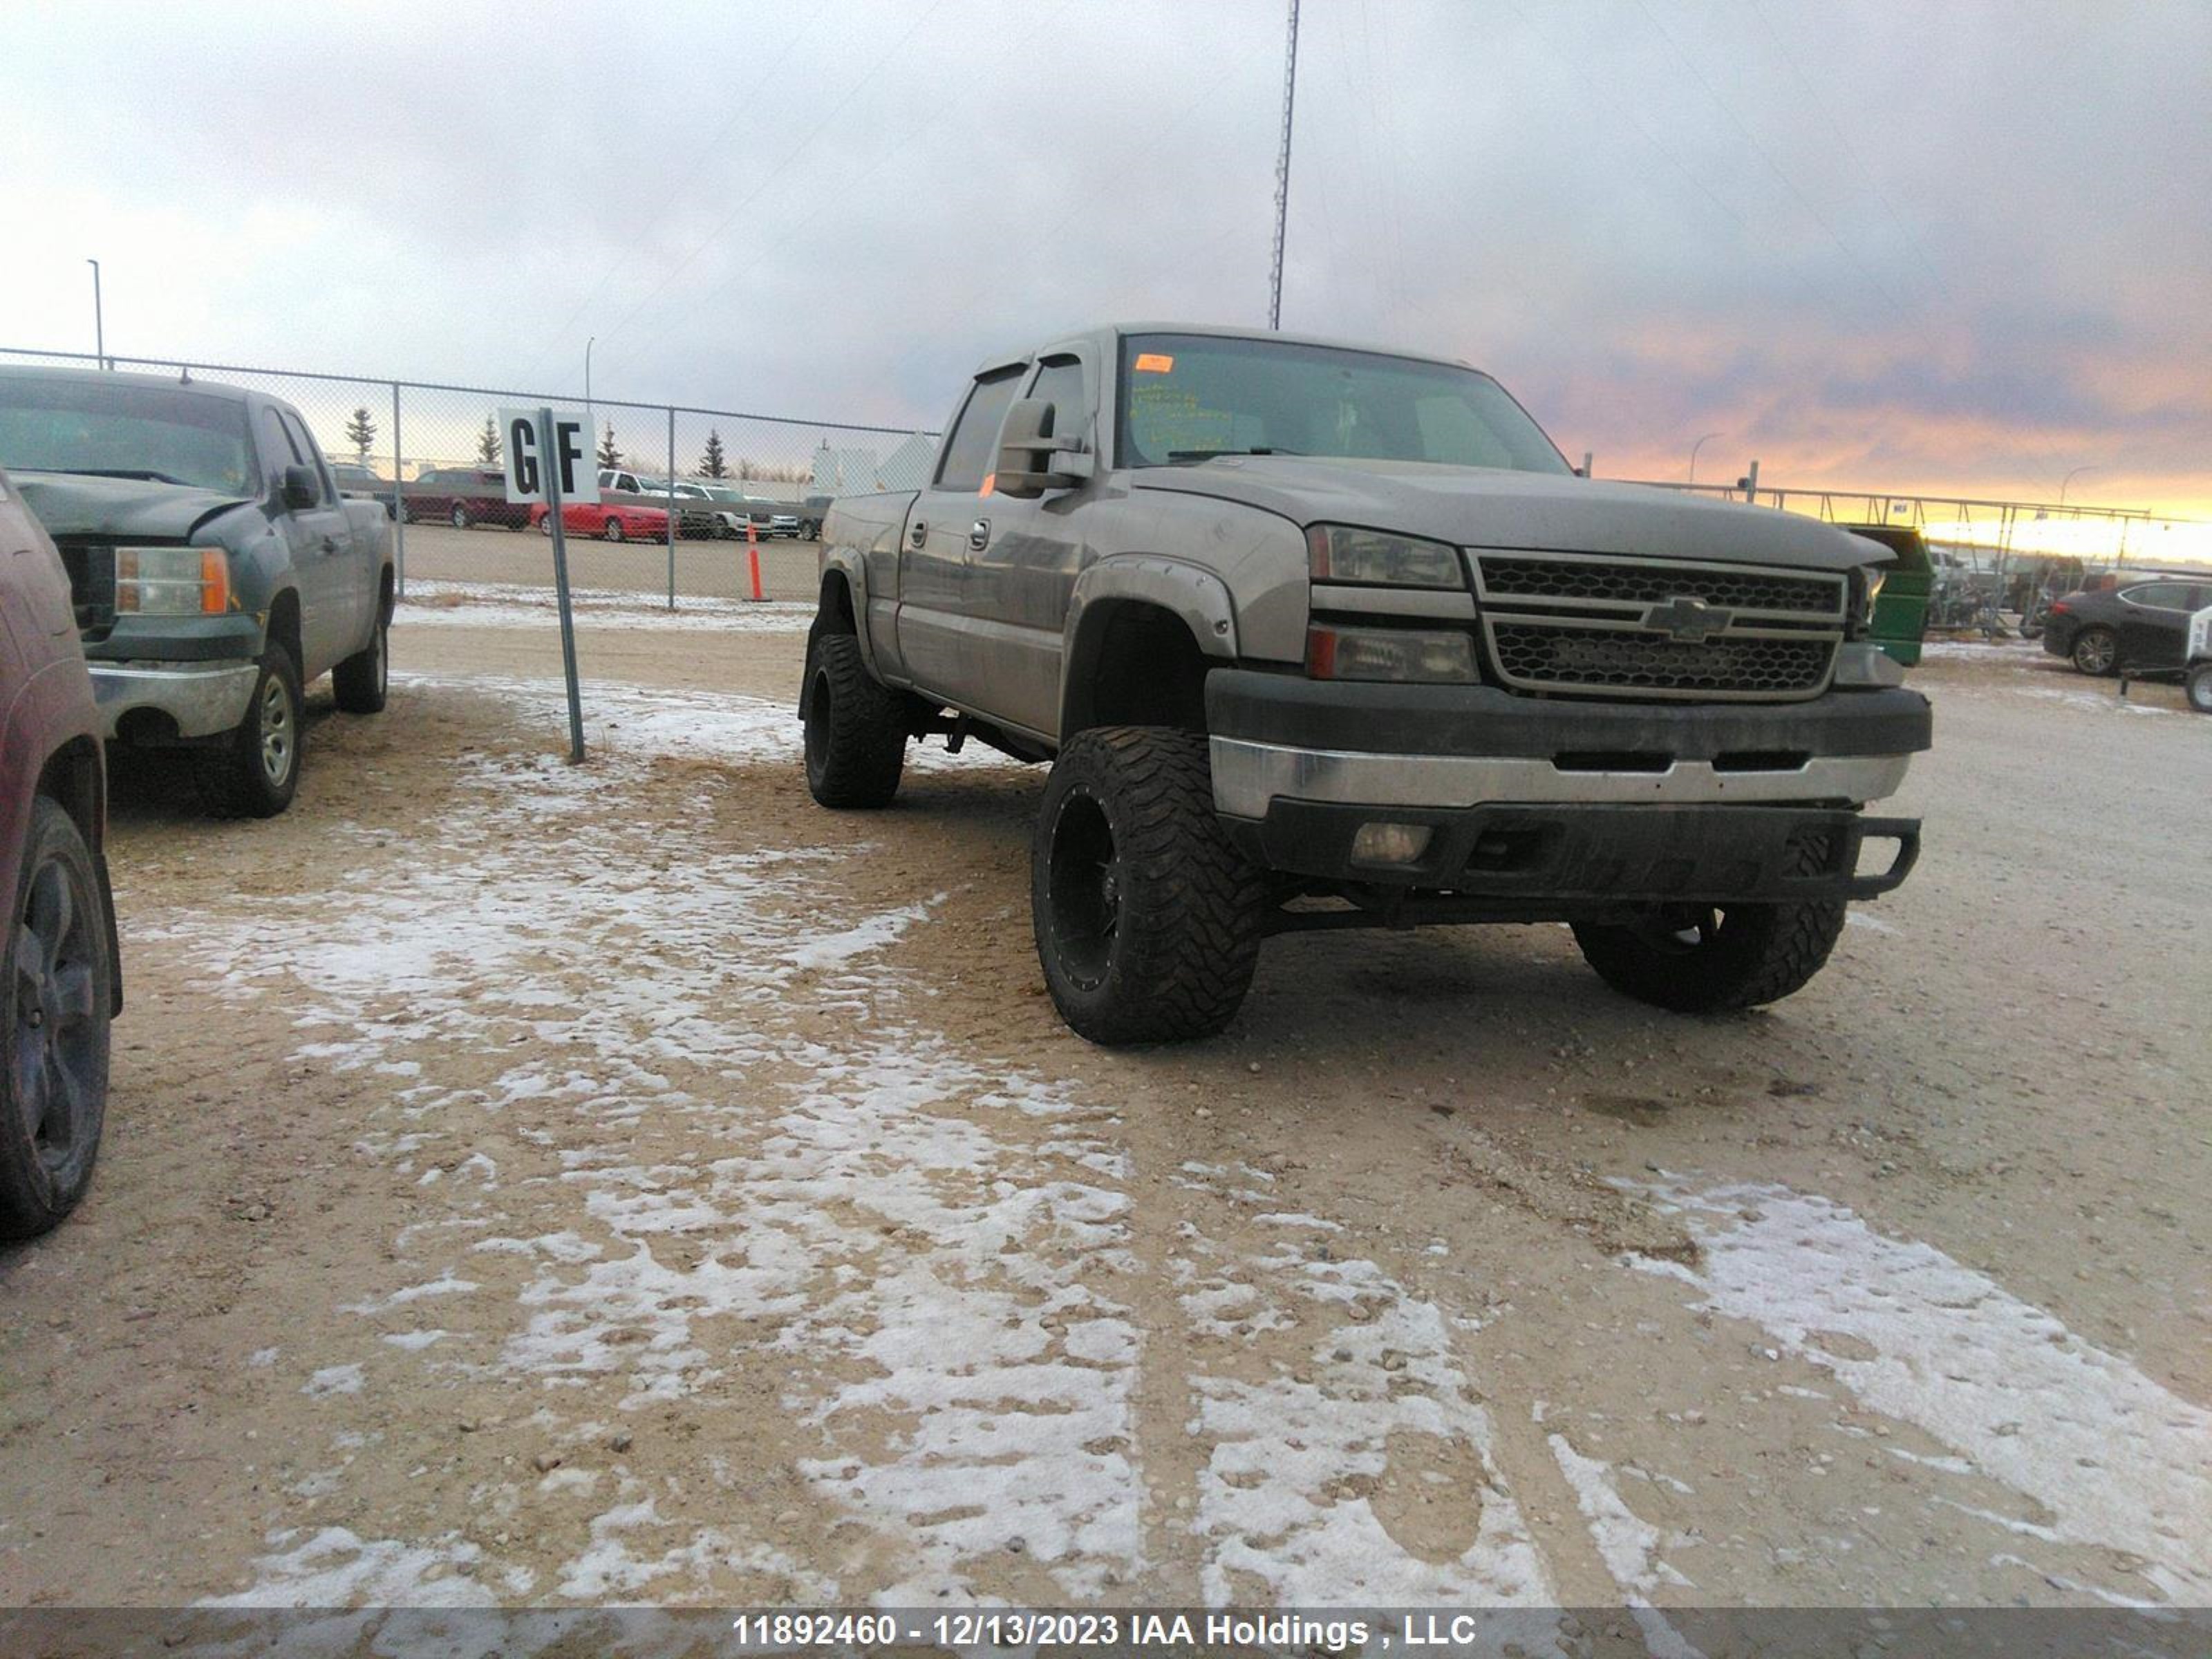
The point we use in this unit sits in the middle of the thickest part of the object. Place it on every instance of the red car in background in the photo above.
(60, 981)
(615, 521)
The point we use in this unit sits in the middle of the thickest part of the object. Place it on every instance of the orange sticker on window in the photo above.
(1154, 362)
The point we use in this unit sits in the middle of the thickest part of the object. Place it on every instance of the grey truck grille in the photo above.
(1596, 625)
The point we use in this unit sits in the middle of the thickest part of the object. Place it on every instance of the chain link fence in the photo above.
(745, 489)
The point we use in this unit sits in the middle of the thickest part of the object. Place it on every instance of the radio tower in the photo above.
(1283, 176)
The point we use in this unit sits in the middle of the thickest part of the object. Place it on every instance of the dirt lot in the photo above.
(534, 1184)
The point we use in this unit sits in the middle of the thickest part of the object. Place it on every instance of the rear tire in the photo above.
(255, 771)
(612, 530)
(1712, 959)
(56, 996)
(2096, 652)
(359, 683)
(855, 727)
(460, 517)
(2199, 688)
(1148, 919)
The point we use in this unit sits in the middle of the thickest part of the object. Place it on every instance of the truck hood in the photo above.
(71, 504)
(1478, 507)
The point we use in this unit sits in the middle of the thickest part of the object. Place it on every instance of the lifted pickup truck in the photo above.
(214, 566)
(1321, 636)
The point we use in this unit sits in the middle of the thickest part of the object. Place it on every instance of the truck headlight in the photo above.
(1406, 654)
(172, 581)
(1339, 553)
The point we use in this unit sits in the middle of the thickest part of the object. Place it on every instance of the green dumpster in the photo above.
(1900, 610)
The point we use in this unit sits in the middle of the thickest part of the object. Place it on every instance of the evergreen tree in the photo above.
(711, 465)
(609, 455)
(360, 433)
(488, 442)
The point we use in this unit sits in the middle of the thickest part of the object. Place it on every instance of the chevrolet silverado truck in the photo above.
(215, 569)
(1320, 636)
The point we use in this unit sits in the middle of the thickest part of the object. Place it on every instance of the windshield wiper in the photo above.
(1208, 454)
(119, 472)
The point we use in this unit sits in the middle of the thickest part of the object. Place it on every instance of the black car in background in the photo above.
(2141, 624)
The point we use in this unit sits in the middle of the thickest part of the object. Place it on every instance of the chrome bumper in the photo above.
(1250, 777)
(202, 698)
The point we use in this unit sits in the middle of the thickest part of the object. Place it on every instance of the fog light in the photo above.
(1389, 843)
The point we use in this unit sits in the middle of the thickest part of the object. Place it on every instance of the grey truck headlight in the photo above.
(172, 581)
(1339, 553)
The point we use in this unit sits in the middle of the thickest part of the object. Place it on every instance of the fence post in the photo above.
(399, 502)
(672, 507)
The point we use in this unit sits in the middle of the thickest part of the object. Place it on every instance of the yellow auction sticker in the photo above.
(1154, 362)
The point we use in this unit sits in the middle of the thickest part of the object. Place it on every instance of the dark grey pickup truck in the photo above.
(1317, 635)
(214, 566)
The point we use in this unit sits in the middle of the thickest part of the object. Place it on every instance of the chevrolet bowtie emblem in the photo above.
(1687, 620)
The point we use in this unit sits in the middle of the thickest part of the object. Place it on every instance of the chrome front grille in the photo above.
(1601, 625)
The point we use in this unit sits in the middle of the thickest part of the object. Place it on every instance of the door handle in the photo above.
(917, 533)
(978, 534)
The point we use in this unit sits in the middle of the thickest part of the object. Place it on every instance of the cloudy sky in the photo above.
(1960, 247)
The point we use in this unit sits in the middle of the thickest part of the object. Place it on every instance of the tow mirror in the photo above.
(1031, 460)
(301, 487)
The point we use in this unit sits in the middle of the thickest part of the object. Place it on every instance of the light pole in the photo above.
(2070, 478)
(588, 344)
(1694, 449)
(99, 321)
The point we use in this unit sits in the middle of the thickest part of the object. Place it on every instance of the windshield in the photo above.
(1185, 397)
(122, 430)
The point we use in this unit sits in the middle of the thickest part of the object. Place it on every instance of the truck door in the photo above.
(324, 558)
(948, 650)
(1023, 557)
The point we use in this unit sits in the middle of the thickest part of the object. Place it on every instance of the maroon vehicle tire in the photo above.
(56, 1002)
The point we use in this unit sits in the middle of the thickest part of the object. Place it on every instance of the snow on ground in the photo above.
(2112, 1457)
(491, 604)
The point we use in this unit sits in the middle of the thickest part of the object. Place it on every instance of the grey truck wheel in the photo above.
(56, 998)
(360, 682)
(1148, 921)
(856, 727)
(255, 771)
(2096, 651)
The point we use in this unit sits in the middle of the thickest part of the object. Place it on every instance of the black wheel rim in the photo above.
(60, 1039)
(1083, 890)
(1682, 930)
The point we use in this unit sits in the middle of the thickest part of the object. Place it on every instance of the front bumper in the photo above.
(1540, 798)
(199, 699)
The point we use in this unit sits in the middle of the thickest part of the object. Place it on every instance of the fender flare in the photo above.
(1190, 591)
(846, 562)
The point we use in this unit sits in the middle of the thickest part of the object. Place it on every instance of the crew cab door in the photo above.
(948, 648)
(325, 561)
(1023, 557)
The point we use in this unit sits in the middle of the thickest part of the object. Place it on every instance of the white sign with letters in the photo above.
(572, 455)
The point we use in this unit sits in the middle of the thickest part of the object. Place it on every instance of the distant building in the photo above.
(856, 472)
(908, 467)
(845, 471)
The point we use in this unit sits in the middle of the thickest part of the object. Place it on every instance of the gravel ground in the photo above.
(531, 1184)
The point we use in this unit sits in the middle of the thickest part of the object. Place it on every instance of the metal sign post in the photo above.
(543, 450)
